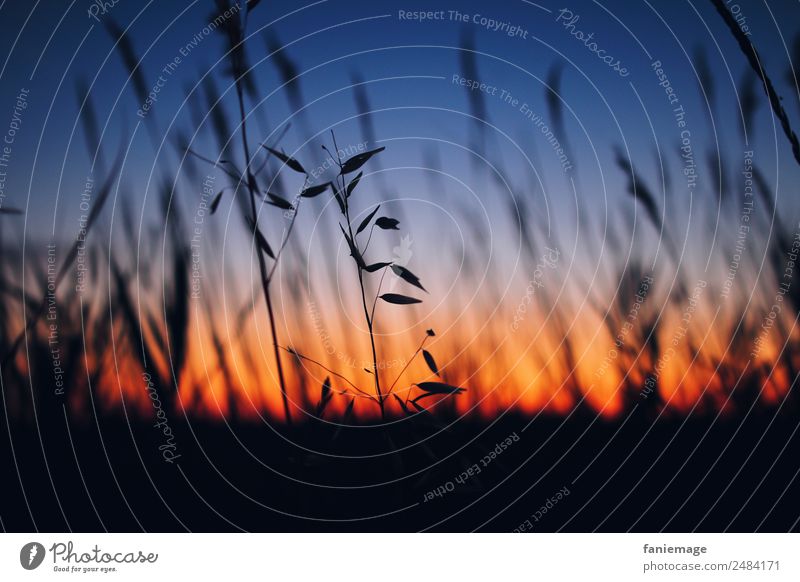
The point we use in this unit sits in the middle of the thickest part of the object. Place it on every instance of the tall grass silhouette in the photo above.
(154, 332)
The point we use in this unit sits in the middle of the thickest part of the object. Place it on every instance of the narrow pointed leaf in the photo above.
(426, 395)
(402, 404)
(324, 397)
(339, 200)
(291, 162)
(430, 361)
(263, 244)
(398, 299)
(365, 223)
(348, 413)
(278, 201)
(418, 407)
(359, 160)
(408, 276)
(261, 241)
(215, 202)
(387, 223)
(352, 185)
(375, 267)
(353, 250)
(313, 191)
(440, 388)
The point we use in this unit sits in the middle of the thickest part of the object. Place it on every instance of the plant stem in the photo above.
(375, 302)
(755, 63)
(288, 234)
(343, 193)
(252, 187)
(324, 367)
(366, 315)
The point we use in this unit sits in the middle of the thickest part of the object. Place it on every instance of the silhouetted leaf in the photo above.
(88, 116)
(348, 412)
(440, 388)
(408, 276)
(352, 185)
(375, 267)
(365, 223)
(291, 162)
(387, 223)
(430, 361)
(313, 191)
(430, 333)
(129, 57)
(263, 244)
(278, 201)
(261, 241)
(423, 396)
(215, 202)
(418, 407)
(339, 200)
(353, 250)
(324, 397)
(359, 160)
(398, 299)
(402, 404)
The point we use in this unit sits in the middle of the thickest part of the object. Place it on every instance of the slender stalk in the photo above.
(343, 193)
(377, 293)
(324, 367)
(366, 316)
(755, 63)
(369, 238)
(252, 187)
(286, 238)
(219, 165)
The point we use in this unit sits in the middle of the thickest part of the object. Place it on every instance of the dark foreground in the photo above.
(576, 474)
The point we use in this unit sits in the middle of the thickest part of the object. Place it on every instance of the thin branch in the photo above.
(324, 367)
(377, 293)
(400, 375)
(755, 63)
(275, 142)
(219, 165)
(288, 234)
(262, 265)
(370, 237)
(367, 316)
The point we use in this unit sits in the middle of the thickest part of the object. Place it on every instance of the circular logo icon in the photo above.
(31, 555)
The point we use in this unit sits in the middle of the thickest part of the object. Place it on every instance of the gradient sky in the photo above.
(79, 47)
(419, 115)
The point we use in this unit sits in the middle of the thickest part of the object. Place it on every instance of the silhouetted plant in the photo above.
(247, 178)
(754, 60)
(343, 188)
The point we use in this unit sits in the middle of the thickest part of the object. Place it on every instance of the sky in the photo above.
(408, 66)
(449, 177)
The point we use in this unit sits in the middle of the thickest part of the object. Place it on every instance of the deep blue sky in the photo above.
(598, 99)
